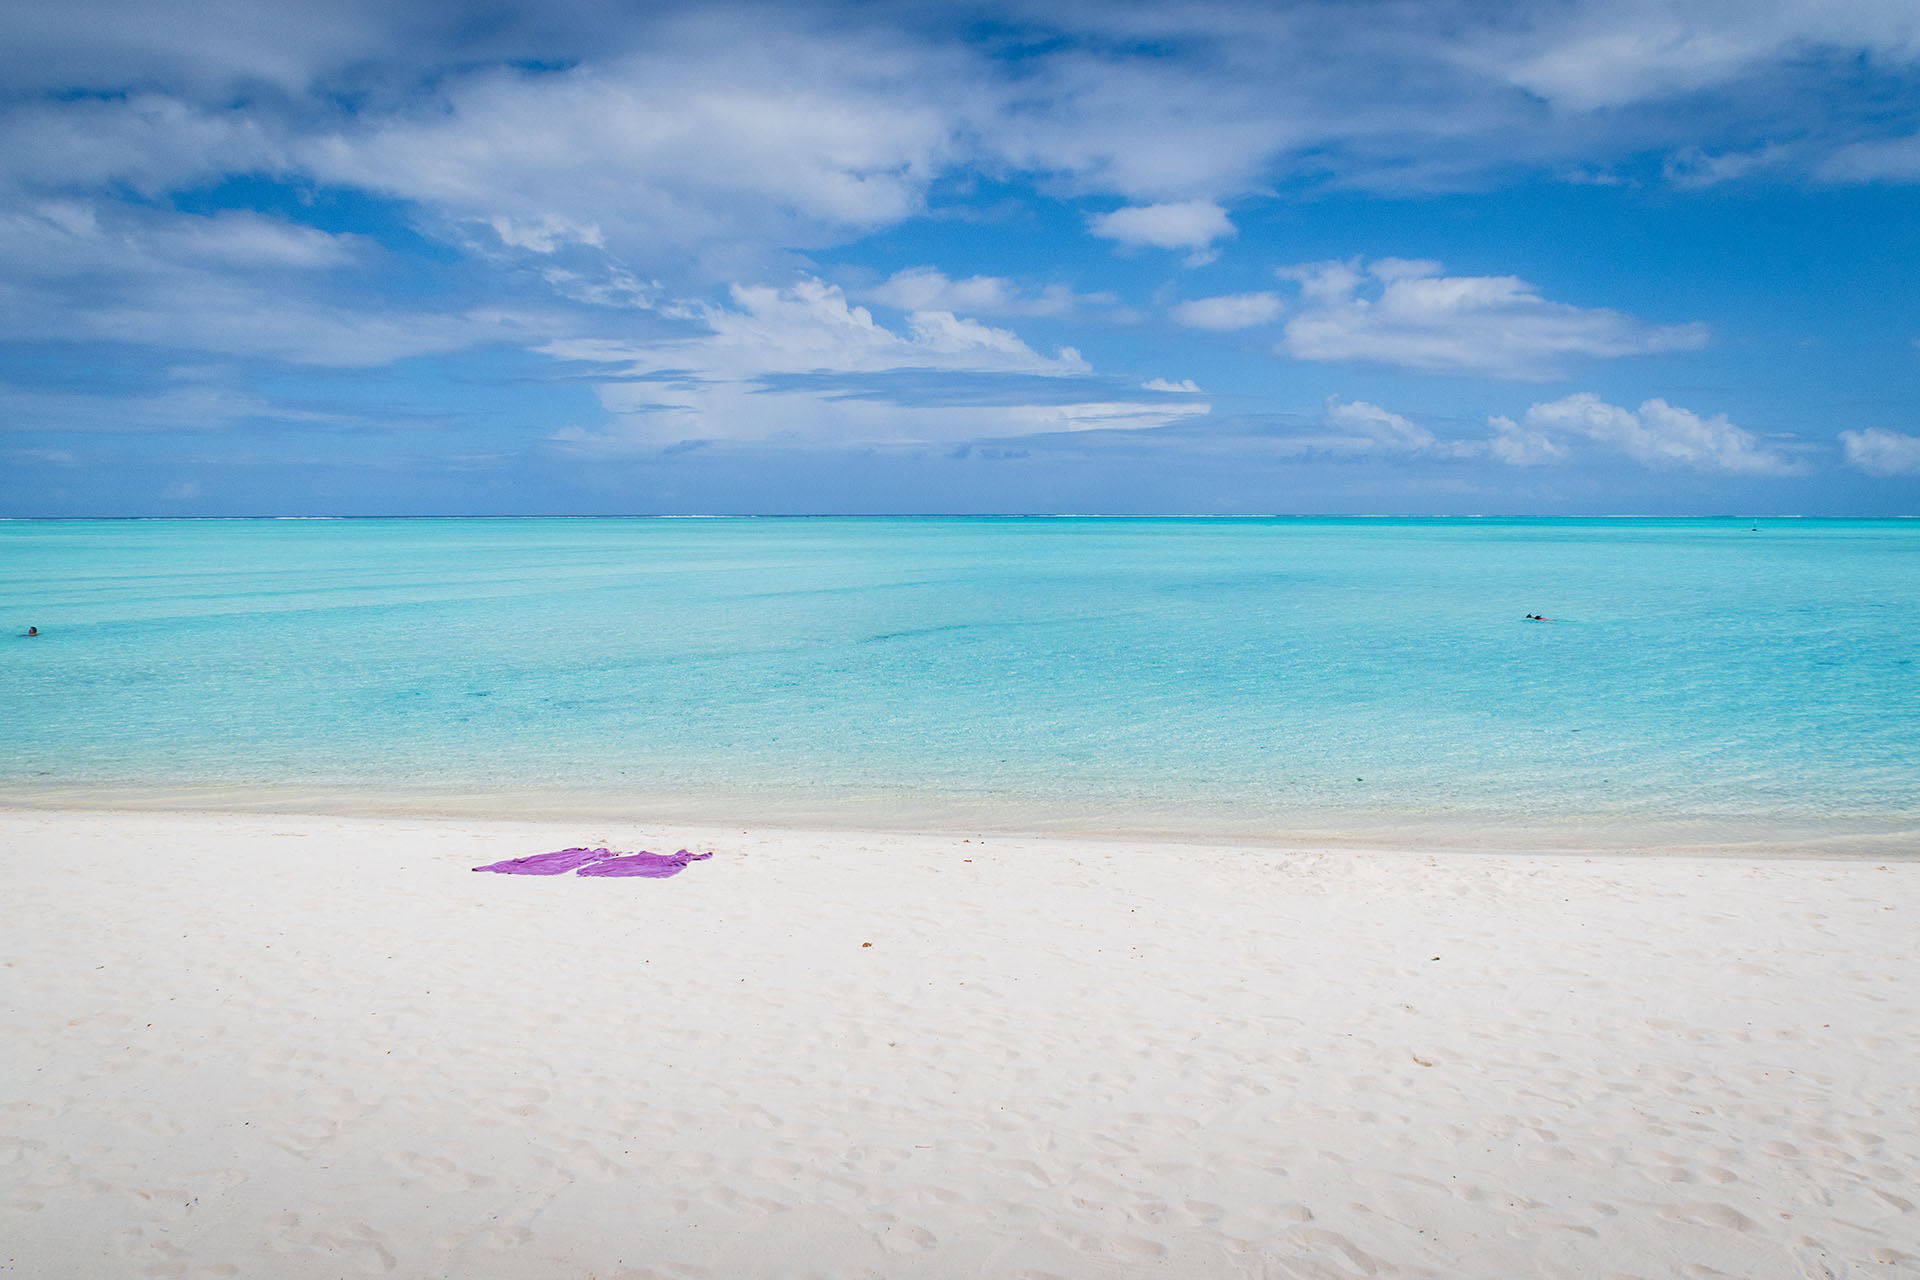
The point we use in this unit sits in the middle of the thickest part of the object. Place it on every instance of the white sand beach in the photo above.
(267, 1046)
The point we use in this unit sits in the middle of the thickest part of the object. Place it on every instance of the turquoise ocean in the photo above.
(1702, 682)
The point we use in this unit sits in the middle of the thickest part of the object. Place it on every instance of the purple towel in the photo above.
(549, 864)
(655, 866)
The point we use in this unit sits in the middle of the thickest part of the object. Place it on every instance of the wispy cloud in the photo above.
(1228, 311)
(1407, 314)
(235, 284)
(1691, 167)
(1877, 160)
(1375, 427)
(810, 327)
(1592, 57)
(929, 289)
(1105, 415)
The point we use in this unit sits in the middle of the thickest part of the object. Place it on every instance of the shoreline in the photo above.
(306, 1046)
(1880, 837)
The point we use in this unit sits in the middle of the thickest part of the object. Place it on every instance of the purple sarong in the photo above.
(655, 866)
(549, 864)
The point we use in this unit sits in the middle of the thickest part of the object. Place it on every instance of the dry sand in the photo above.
(318, 1047)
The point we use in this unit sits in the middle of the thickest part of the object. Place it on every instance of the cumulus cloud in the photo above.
(928, 289)
(1519, 446)
(1657, 434)
(726, 381)
(1880, 452)
(1229, 311)
(1406, 314)
(1186, 224)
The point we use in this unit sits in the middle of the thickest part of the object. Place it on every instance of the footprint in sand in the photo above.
(1708, 1213)
(1136, 1248)
(438, 1173)
(355, 1240)
(906, 1240)
(492, 1239)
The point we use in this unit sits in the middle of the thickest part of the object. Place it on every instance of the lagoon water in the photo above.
(1702, 681)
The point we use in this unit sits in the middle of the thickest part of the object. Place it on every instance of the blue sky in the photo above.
(379, 258)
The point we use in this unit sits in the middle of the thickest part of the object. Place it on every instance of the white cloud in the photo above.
(789, 140)
(1357, 428)
(1694, 168)
(1587, 57)
(236, 239)
(1229, 311)
(722, 383)
(197, 400)
(1104, 416)
(149, 142)
(1187, 224)
(1882, 160)
(224, 284)
(546, 233)
(1582, 176)
(1880, 452)
(736, 411)
(810, 328)
(611, 287)
(1185, 386)
(1519, 446)
(1406, 314)
(1657, 434)
(928, 289)
(1377, 427)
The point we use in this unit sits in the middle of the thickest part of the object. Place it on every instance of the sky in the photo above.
(379, 257)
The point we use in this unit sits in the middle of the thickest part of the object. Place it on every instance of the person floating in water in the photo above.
(1534, 617)
(33, 631)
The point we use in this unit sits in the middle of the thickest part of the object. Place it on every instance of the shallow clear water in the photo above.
(1247, 677)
